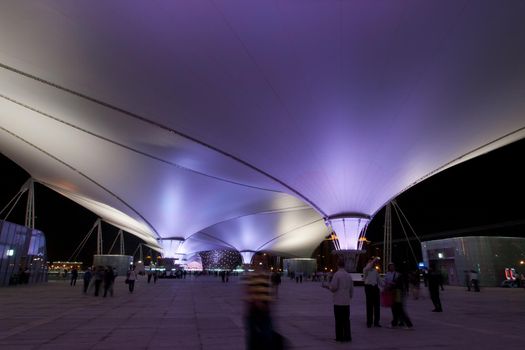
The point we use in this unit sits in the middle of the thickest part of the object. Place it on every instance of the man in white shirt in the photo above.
(372, 282)
(342, 288)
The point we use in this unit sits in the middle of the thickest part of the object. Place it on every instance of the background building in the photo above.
(22, 254)
(489, 256)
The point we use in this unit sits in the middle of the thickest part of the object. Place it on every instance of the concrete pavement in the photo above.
(204, 313)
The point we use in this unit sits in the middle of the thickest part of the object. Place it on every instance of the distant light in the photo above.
(260, 263)
(522, 262)
(11, 252)
(440, 255)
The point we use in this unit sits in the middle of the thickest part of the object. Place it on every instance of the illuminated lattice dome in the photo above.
(222, 259)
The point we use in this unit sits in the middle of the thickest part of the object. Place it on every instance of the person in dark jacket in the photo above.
(74, 276)
(99, 278)
(435, 282)
(87, 279)
(109, 278)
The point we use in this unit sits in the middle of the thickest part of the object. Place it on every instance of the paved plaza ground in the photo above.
(204, 313)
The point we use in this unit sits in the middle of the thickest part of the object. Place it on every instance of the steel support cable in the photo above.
(114, 241)
(82, 243)
(17, 196)
(136, 249)
(164, 127)
(120, 234)
(404, 231)
(83, 175)
(408, 223)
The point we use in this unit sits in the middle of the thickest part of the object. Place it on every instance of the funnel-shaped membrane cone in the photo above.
(348, 231)
(247, 256)
(172, 247)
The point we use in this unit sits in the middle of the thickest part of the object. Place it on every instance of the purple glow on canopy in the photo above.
(235, 150)
(348, 231)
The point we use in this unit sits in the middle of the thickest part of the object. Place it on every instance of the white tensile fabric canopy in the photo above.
(245, 124)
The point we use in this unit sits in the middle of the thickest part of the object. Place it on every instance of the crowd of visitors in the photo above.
(102, 278)
(388, 291)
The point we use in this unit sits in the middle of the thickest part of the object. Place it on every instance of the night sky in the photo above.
(483, 196)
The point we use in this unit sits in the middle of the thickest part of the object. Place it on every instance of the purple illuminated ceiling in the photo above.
(243, 125)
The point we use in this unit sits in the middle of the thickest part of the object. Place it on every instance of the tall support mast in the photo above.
(99, 237)
(30, 207)
(121, 235)
(387, 237)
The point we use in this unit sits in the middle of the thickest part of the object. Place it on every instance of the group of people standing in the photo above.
(393, 294)
(388, 292)
(98, 277)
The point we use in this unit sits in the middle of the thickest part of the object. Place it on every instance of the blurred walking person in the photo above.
(435, 281)
(395, 283)
(74, 276)
(259, 331)
(474, 278)
(99, 278)
(87, 279)
(109, 279)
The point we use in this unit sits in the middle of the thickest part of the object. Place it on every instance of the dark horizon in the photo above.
(474, 197)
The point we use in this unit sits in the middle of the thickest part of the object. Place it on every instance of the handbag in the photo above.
(387, 298)
(126, 281)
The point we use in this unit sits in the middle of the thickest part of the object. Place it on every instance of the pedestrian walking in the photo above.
(99, 278)
(87, 279)
(435, 282)
(396, 285)
(109, 279)
(131, 278)
(474, 278)
(74, 276)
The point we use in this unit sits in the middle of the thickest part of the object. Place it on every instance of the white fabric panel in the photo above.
(117, 127)
(271, 231)
(341, 104)
(197, 243)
